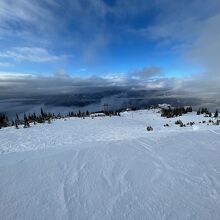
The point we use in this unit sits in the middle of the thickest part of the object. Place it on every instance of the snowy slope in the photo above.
(111, 168)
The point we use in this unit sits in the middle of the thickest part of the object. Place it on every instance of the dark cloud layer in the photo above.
(139, 88)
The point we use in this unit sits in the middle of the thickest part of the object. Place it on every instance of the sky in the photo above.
(77, 46)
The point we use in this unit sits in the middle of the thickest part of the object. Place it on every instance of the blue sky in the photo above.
(101, 36)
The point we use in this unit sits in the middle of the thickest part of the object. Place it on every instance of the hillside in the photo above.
(111, 168)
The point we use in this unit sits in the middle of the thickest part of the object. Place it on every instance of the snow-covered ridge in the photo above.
(73, 131)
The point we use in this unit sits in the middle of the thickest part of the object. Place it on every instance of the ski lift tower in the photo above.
(105, 107)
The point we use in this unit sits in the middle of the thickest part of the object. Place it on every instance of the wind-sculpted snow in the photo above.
(111, 168)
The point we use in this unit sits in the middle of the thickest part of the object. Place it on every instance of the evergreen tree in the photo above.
(87, 113)
(216, 114)
(79, 113)
(17, 121)
(42, 112)
(26, 122)
(4, 122)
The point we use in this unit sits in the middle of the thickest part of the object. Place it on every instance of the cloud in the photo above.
(5, 64)
(30, 54)
(147, 79)
(77, 24)
(17, 85)
(146, 73)
(63, 91)
(90, 26)
(25, 14)
(190, 29)
(205, 50)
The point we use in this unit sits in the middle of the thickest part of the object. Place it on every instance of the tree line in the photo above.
(174, 112)
(207, 113)
(44, 117)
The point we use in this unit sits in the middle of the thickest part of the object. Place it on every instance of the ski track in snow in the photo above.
(214, 132)
(111, 168)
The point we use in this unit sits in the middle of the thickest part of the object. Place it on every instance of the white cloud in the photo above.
(205, 49)
(147, 73)
(5, 64)
(31, 12)
(31, 54)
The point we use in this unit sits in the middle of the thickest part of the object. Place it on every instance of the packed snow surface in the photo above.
(111, 168)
